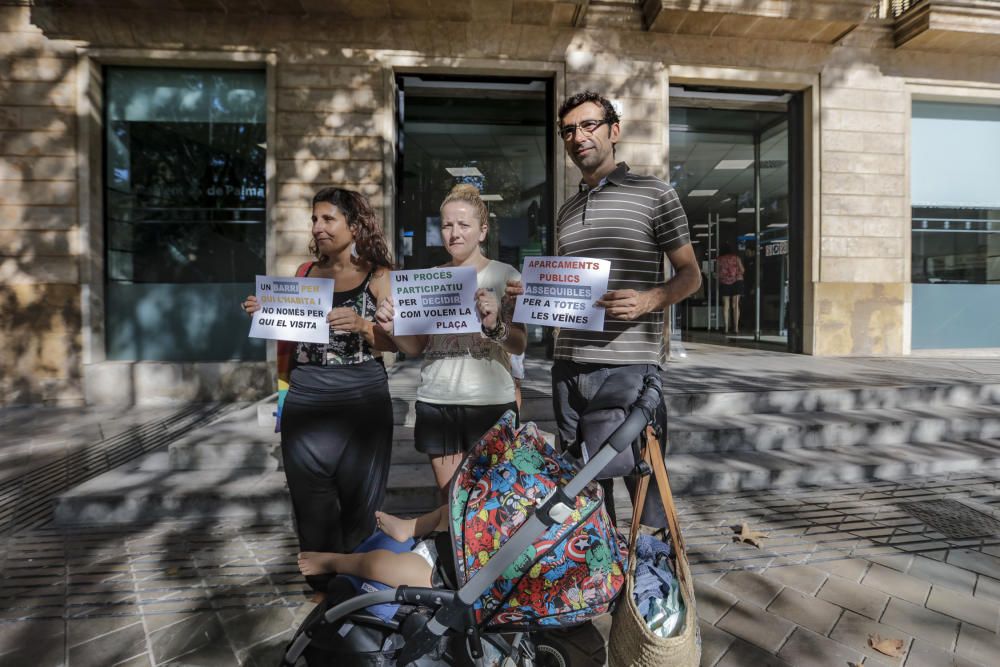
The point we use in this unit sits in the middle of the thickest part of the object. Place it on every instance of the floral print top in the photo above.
(343, 348)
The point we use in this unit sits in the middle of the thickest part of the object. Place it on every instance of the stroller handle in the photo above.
(643, 412)
(332, 615)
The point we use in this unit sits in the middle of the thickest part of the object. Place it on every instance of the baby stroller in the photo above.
(533, 549)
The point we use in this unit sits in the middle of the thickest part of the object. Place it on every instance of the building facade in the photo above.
(155, 156)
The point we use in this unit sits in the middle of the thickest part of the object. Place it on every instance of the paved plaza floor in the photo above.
(838, 566)
(904, 559)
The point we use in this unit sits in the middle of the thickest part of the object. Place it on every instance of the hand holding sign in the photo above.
(625, 304)
(292, 309)
(562, 292)
(434, 301)
(345, 320)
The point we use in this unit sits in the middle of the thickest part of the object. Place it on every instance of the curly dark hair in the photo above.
(610, 115)
(369, 238)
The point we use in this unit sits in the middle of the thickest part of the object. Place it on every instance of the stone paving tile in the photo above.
(101, 647)
(899, 562)
(712, 603)
(743, 654)
(804, 610)
(975, 561)
(854, 597)
(808, 648)
(33, 643)
(247, 627)
(853, 631)
(714, 643)
(755, 625)
(924, 654)
(197, 632)
(851, 569)
(987, 588)
(985, 614)
(800, 577)
(942, 574)
(210, 655)
(751, 587)
(921, 622)
(267, 653)
(896, 584)
(977, 644)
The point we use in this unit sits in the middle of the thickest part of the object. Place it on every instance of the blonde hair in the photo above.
(469, 194)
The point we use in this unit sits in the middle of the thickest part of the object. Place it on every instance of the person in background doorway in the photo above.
(465, 381)
(729, 268)
(336, 419)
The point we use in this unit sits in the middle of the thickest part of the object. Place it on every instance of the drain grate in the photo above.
(952, 518)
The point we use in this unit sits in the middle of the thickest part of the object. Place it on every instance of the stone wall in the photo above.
(864, 206)
(40, 321)
(332, 124)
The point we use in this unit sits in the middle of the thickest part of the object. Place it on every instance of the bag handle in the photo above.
(666, 495)
(652, 455)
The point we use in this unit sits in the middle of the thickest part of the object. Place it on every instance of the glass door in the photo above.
(496, 134)
(731, 163)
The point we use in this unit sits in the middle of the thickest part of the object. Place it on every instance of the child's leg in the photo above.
(403, 529)
(381, 565)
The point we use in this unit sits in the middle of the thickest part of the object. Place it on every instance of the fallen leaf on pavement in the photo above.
(890, 647)
(173, 571)
(749, 536)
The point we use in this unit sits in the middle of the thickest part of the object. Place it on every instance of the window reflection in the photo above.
(956, 200)
(184, 202)
(490, 133)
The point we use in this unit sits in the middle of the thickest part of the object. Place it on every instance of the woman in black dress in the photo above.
(336, 420)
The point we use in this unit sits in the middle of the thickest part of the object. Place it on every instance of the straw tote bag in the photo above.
(632, 643)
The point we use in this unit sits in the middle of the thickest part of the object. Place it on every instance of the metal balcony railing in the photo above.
(890, 9)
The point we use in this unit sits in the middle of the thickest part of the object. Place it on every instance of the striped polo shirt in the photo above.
(631, 221)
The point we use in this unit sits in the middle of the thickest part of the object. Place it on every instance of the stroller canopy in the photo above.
(571, 574)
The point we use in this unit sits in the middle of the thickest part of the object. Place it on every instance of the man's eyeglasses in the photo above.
(567, 132)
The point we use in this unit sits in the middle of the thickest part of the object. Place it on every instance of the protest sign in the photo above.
(429, 301)
(293, 309)
(561, 292)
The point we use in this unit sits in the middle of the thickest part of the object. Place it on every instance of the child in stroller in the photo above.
(417, 567)
(532, 546)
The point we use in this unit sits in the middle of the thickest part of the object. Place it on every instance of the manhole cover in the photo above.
(952, 518)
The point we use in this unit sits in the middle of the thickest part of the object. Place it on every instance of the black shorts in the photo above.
(736, 289)
(453, 429)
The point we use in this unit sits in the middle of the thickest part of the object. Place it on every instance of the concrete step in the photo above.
(771, 431)
(744, 471)
(831, 400)
(228, 445)
(145, 492)
(247, 445)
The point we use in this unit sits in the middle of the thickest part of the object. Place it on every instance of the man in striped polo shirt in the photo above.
(632, 221)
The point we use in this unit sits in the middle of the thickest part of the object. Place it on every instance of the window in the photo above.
(955, 170)
(184, 202)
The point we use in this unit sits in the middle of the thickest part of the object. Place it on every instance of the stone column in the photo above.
(862, 287)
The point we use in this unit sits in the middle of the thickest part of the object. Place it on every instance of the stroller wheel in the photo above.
(580, 646)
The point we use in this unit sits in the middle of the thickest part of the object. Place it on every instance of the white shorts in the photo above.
(517, 366)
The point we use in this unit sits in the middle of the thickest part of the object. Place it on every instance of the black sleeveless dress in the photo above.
(336, 436)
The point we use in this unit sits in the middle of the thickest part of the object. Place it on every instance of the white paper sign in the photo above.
(561, 292)
(293, 309)
(434, 301)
